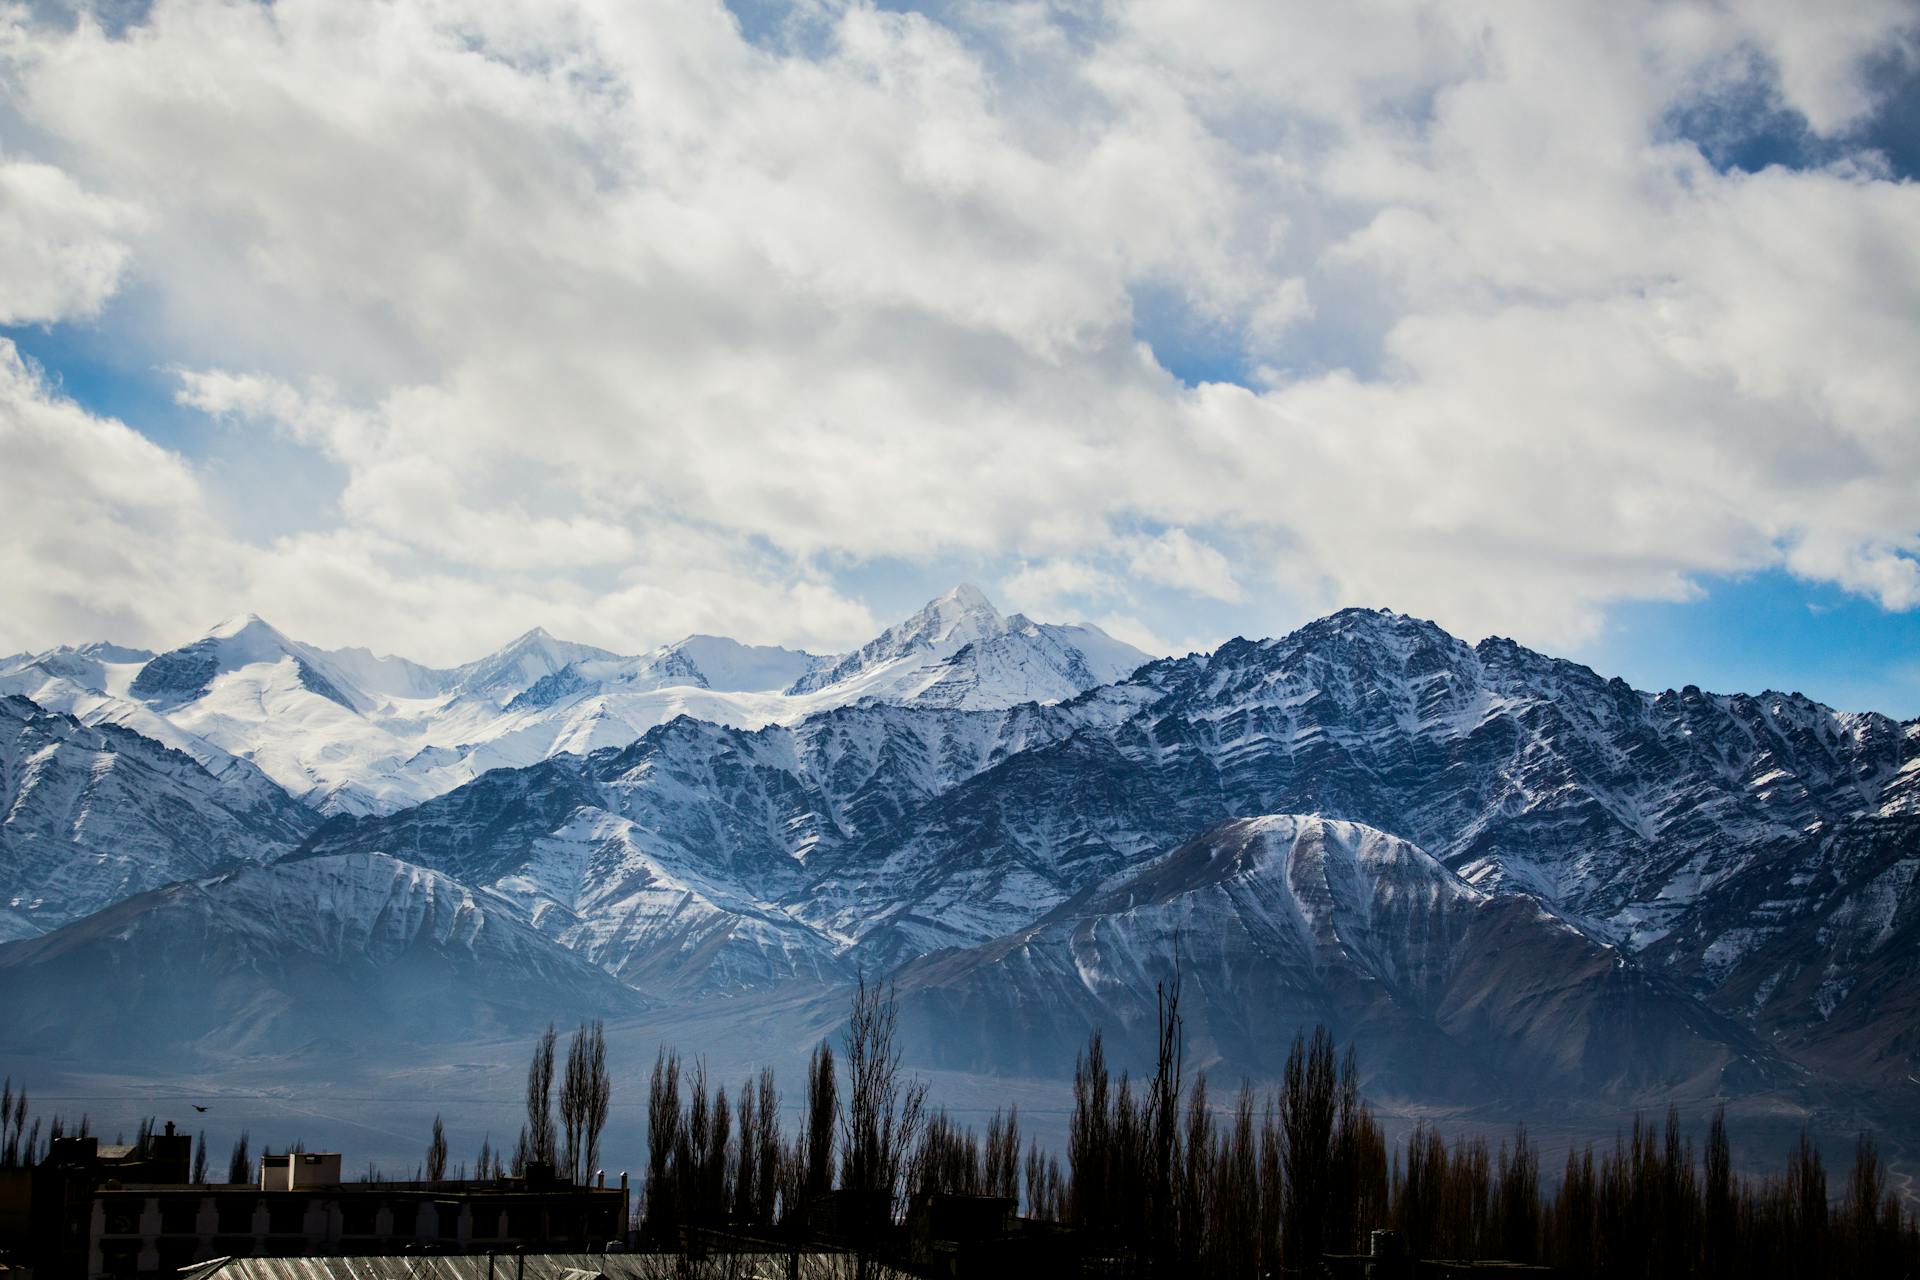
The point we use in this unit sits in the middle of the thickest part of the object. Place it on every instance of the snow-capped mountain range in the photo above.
(1499, 871)
(347, 731)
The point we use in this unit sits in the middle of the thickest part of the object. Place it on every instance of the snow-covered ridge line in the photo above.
(348, 731)
(895, 820)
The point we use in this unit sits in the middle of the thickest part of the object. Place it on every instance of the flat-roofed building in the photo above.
(301, 1208)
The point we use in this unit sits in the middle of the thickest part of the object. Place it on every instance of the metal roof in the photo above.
(535, 1266)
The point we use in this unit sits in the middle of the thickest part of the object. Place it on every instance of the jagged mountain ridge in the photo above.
(1623, 812)
(1272, 923)
(341, 956)
(705, 858)
(92, 814)
(715, 831)
(347, 731)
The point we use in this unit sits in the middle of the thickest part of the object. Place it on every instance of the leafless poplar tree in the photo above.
(1308, 1107)
(540, 1143)
(585, 1094)
(1000, 1175)
(239, 1162)
(437, 1151)
(823, 1116)
(664, 1138)
(884, 1113)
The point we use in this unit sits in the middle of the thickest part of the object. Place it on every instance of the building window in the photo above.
(287, 1217)
(359, 1217)
(236, 1215)
(180, 1215)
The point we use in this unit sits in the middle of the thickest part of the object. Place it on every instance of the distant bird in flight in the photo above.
(198, 1107)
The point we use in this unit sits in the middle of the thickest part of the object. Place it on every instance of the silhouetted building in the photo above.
(102, 1210)
(301, 1208)
(44, 1210)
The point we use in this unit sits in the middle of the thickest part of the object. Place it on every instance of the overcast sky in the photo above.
(416, 324)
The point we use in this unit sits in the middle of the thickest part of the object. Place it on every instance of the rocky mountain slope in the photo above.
(92, 814)
(873, 836)
(1269, 924)
(1489, 865)
(334, 956)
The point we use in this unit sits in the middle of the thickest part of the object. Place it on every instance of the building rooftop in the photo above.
(532, 1266)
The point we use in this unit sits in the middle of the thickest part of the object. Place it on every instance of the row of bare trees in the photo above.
(1167, 1186)
(20, 1145)
(571, 1148)
(1648, 1207)
(1164, 1178)
(711, 1163)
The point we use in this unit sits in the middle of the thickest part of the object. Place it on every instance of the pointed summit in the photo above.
(237, 624)
(943, 626)
(963, 614)
(521, 663)
(248, 640)
(961, 652)
(967, 597)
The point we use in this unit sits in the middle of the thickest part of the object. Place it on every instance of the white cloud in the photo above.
(60, 252)
(109, 537)
(1177, 559)
(610, 319)
(1052, 587)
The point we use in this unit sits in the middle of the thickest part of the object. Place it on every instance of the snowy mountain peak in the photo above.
(184, 674)
(965, 599)
(961, 616)
(1382, 630)
(243, 624)
(529, 658)
(940, 629)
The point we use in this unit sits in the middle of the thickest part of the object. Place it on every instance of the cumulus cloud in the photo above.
(614, 319)
(60, 252)
(113, 539)
(1179, 560)
(109, 536)
(1047, 588)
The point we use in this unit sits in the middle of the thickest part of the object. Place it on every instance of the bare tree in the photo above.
(1866, 1190)
(522, 1153)
(716, 1171)
(1806, 1194)
(1308, 1105)
(1718, 1206)
(884, 1113)
(767, 1180)
(437, 1151)
(540, 1137)
(746, 1154)
(1162, 1120)
(585, 1093)
(1089, 1139)
(823, 1115)
(664, 1137)
(1000, 1174)
(239, 1164)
